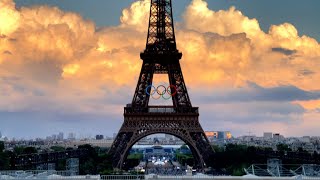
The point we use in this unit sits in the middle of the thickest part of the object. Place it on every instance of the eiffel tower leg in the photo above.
(176, 79)
(121, 142)
(141, 98)
(203, 146)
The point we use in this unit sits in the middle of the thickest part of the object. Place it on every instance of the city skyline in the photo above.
(72, 68)
(59, 136)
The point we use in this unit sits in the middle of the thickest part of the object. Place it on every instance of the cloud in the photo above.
(284, 51)
(200, 18)
(259, 55)
(136, 16)
(255, 93)
(306, 72)
(10, 18)
(56, 61)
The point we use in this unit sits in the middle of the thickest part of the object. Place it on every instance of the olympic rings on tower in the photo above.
(161, 91)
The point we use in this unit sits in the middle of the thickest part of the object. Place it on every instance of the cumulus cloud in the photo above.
(10, 19)
(136, 16)
(259, 57)
(56, 61)
(199, 17)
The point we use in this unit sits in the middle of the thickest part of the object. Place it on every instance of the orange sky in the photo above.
(56, 61)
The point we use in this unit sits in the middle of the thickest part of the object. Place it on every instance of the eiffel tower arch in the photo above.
(140, 119)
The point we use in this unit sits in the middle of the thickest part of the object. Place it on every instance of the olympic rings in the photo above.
(160, 91)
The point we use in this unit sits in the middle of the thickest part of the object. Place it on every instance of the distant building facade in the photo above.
(71, 136)
(60, 136)
(267, 135)
(218, 135)
(99, 137)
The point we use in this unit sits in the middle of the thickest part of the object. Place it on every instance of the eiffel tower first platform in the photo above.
(181, 120)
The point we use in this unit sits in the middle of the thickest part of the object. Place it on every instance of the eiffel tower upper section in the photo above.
(161, 37)
(161, 57)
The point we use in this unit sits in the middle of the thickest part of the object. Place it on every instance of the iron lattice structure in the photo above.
(181, 120)
(275, 169)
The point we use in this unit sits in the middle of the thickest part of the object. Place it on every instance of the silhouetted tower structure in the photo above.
(181, 120)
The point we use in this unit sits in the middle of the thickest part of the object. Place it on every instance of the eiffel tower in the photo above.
(140, 119)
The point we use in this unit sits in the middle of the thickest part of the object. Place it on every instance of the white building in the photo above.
(267, 135)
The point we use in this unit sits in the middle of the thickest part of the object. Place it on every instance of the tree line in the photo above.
(230, 159)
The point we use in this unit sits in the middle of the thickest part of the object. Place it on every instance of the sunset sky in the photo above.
(71, 66)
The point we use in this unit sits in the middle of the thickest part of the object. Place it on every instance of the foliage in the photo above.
(233, 158)
(4, 160)
(57, 148)
(138, 156)
(230, 159)
(87, 163)
(61, 165)
(184, 156)
(104, 166)
(96, 162)
(133, 160)
(1, 146)
(184, 159)
(283, 147)
(24, 150)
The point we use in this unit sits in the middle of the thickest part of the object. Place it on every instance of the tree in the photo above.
(133, 160)
(4, 158)
(217, 148)
(301, 150)
(89, 162)
(185, 159)
(29, 150)
(283, 147)
(18, 150)
(1, 146)
(57, 148)
(104, 166)
(4, 161)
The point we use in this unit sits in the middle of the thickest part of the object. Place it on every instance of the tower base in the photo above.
(185, 126)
